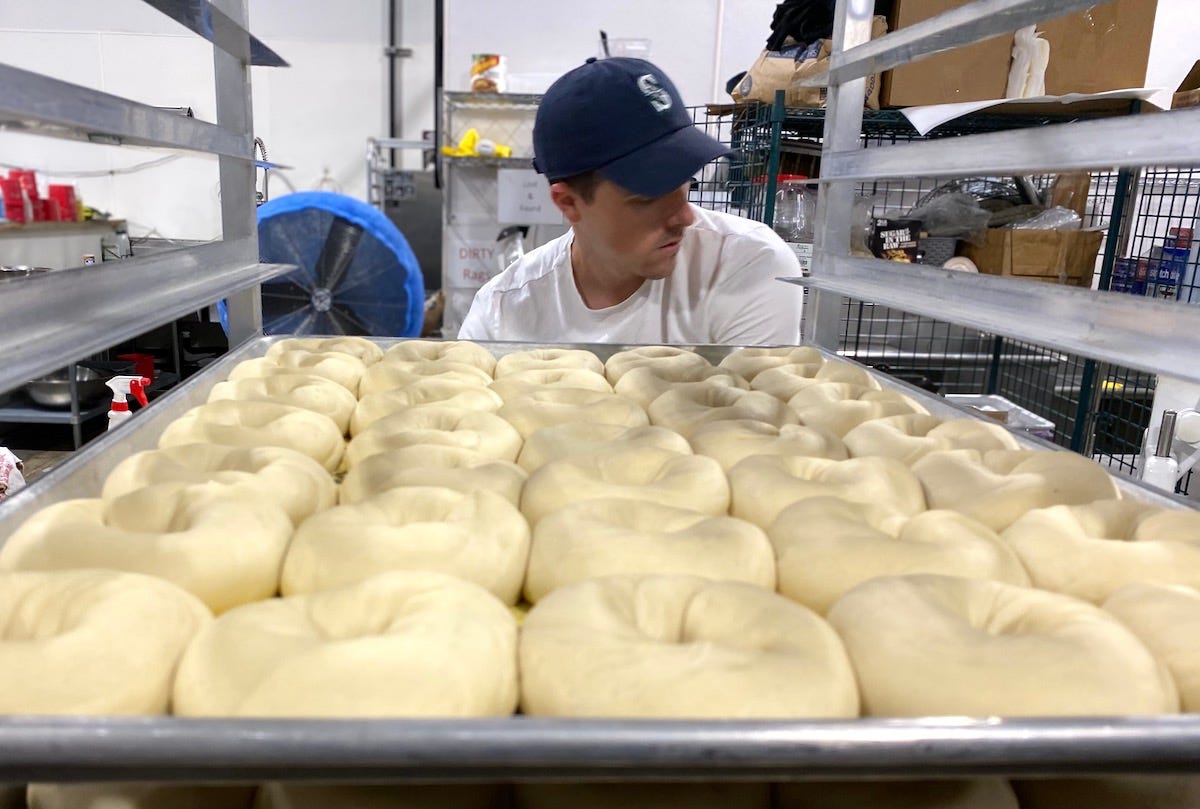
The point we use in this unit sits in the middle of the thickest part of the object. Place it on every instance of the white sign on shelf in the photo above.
(469, 256)
(523, 198)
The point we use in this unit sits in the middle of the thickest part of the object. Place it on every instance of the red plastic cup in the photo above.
(64, 195)
(27, 179)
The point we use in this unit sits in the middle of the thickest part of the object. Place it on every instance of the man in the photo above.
(640, 265)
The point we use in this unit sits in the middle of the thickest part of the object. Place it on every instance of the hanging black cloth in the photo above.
(803, 20)
(806, 21)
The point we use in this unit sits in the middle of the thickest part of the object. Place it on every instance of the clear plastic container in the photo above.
(794, 208)
(795, 212)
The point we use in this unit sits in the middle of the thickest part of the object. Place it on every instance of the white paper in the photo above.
(523, 198)
(927, 118)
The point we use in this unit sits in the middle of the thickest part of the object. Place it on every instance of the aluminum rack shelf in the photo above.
(71, 313)
(521, 748)
(41, 105)
(958, 26)
(1146, 335)
(203, 18)
(1166, 138)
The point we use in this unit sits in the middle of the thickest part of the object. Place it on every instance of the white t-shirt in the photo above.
(723, 291)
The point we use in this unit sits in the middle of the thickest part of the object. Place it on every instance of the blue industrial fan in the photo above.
(356, 273)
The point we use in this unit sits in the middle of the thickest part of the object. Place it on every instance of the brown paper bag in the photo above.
(780, 70)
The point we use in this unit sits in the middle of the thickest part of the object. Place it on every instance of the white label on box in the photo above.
(804, 254)
(523, 198)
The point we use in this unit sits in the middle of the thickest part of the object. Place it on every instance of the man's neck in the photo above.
(600, 285)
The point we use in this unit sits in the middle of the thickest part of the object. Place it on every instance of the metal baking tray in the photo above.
(522, 748)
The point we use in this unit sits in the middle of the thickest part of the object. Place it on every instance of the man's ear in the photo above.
(567, 201)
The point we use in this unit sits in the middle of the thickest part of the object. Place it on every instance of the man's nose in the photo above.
(681, 215)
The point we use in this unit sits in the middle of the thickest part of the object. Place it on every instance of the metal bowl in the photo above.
(8, 273)
(54, 390)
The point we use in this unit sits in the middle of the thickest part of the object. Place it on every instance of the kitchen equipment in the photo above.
(54, 390)
(8, 273)
(355, 273)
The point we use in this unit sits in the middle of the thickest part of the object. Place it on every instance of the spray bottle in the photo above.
(1161, 468)
(123, 387)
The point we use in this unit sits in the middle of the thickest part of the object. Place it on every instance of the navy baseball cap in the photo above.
(624, 118)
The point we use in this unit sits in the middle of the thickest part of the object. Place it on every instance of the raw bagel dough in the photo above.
(387, 376)
(343, 369)
(1166, 619)
(223, 546)
(546, 358)
(750, 362)
(1093, 550)
(475, 430)
(974, 793)
(301, 795)
(692, 795)
(583, 438)
(929, 645)
(295, 482)
(307, 391)
(911, 437)
(444, 392)
(127, 795)
(680, 646)
(686, 411)
(647, 383)
(761, 486)
(92, 642)
(997, 487)
(733, 441)
(1110, 792)
(477, 536)
(234, 423)
(522, 383)
(546, 408)
(461, 351)
(401, 644)
(826, 546)
(842, 406)
(432, 465)
(785, 381)
(669, 359)
(608, 537)
(358, 347)
(641, 473)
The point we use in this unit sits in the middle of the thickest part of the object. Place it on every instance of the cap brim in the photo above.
(667, 163)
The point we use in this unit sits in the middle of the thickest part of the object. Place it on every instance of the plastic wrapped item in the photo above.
(862, 224)
(1001, 193)
(11, 479)
(1057, 218)
(956, 215)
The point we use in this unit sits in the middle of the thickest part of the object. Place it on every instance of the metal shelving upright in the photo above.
(55, 318)
(1143, 335)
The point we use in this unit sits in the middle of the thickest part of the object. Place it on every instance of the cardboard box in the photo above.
(1054, 256)
(1106, 47)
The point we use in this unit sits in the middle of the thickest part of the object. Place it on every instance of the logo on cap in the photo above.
(659, 98)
